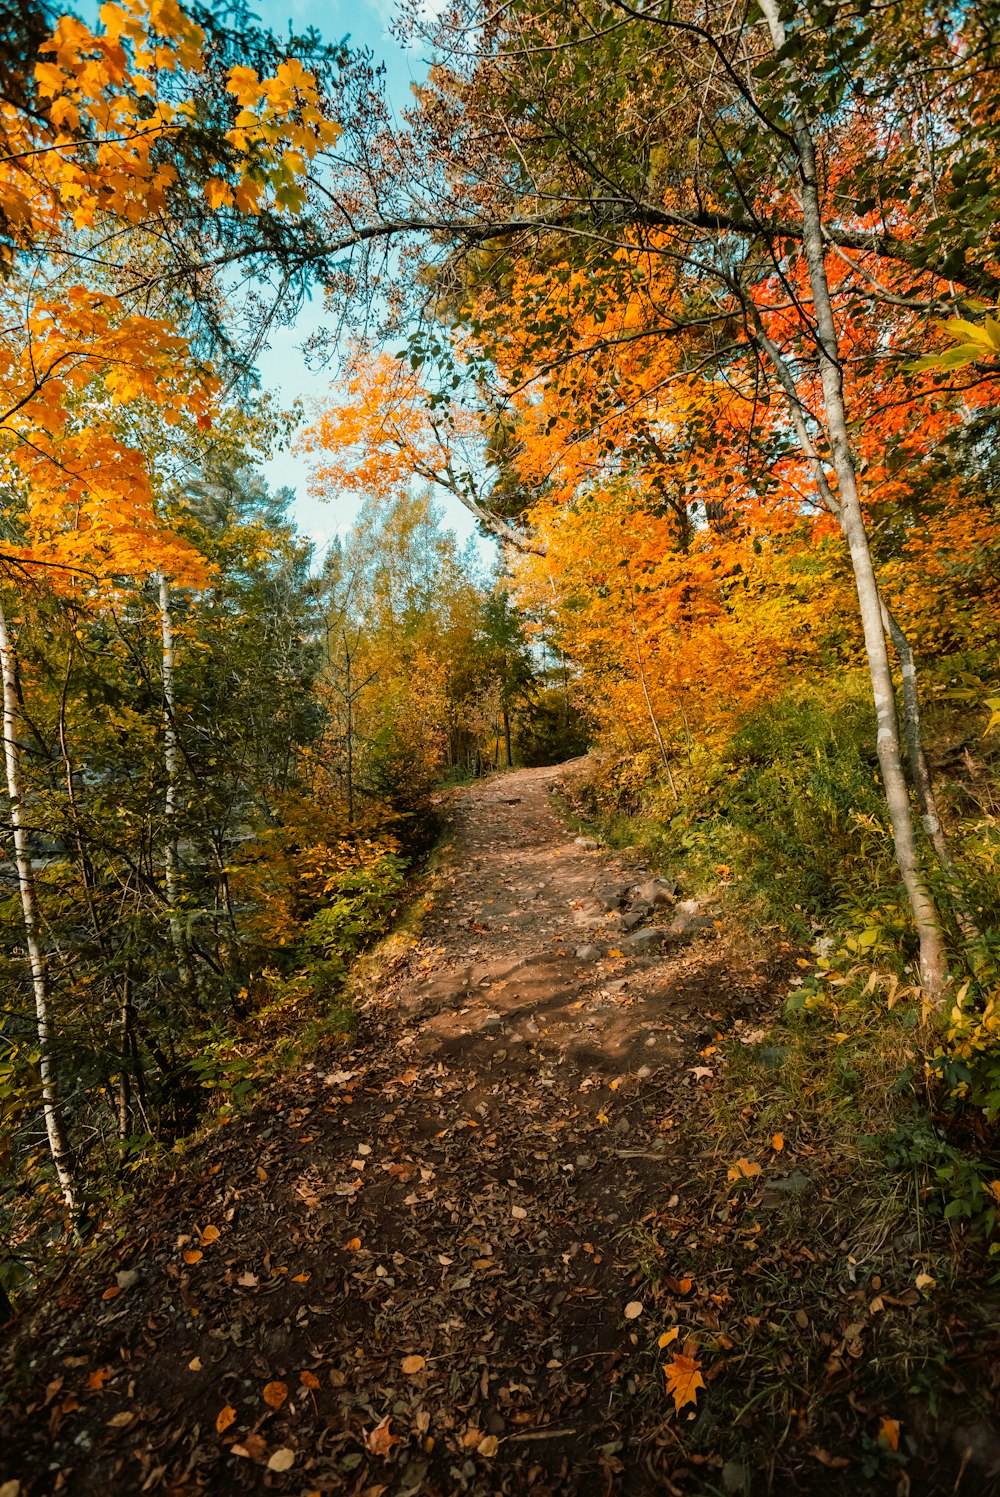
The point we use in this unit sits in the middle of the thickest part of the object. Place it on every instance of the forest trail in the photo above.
(406, 1269)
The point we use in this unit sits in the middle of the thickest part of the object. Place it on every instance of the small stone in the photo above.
(656, 892)
(633, 919)
(644, 940)
(587, 843)
(127, 1278)
(585, 1161)
(588, 953)
(733, 1478)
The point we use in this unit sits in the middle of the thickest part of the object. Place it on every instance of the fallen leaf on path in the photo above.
(489, 1446)
(282, 1460)
(210, 1234)
(413, 1364)
(195, 1364)
(248, 1280)
(833, 1462)
(275, 1394)
(518, 1213)
(778, 1142)
(98, 1378)
(668, 1336)
(309, 1380)
(925, 1281)
(226, 1417)
(381, 1440)
(888, 1433)
(253, 1448)
(743, 1169)
(633, 1309)
(683, 1375)
(120, 1420)
(110, 1293)
(192, 1255)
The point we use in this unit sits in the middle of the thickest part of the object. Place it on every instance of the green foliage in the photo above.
(550, 729)
(358, 908)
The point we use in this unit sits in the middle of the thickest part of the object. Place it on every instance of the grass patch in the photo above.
(846, 1327)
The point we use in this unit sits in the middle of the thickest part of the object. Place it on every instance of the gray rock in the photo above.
(779, 1192)
(588, 953)
(587, 843)
(655, 891)
(644, 940)
(633, 919)
(689, 918)
(610, 899)
(734, 1478)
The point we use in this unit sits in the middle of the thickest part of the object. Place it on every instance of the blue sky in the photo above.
(282, 366)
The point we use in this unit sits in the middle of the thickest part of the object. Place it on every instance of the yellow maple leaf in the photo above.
(683, 1376)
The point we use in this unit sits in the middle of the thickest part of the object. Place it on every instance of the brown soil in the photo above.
(472, 1184)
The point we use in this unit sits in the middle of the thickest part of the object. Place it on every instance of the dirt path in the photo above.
(430, 1240)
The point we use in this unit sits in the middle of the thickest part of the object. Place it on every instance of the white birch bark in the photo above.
(171, 764)
(52, 1110)
(925, 914)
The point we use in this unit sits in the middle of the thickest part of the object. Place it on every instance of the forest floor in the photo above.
(447, 1255)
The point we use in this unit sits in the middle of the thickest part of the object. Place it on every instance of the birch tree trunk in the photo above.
(171, 764)
(52, 1110)
(925, 914)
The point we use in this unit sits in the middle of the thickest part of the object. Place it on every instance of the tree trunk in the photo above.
(349, 735)
(55, 1127)
(171, 763)
(925, 914)
(506, 737)
(920, 774)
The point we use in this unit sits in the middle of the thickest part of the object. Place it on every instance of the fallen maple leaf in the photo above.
(743, 1169)
(832, 1462)
(381, 1441)
(226, 1417)
(253, 1447)
(97, 1379)
(275, 1394)
(888, 1433)
(683, 1375)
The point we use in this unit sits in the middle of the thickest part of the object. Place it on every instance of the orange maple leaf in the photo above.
(683, 1375)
